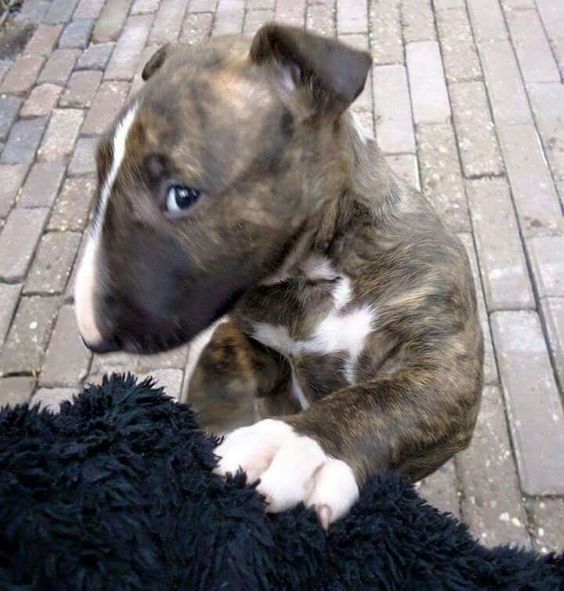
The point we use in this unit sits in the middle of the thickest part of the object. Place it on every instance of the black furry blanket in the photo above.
(116, 492)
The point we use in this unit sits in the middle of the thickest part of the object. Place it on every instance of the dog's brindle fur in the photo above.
(301, 220)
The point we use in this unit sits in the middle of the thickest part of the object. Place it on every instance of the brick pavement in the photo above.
(467, 101)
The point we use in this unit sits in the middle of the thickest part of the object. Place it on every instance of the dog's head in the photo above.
(207, 178)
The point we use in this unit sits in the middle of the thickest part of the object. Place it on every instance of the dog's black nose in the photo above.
(103, 346)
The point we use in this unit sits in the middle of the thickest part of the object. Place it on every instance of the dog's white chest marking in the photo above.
(342, 331)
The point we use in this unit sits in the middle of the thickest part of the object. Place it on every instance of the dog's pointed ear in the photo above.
(333, 72)
(156, 61)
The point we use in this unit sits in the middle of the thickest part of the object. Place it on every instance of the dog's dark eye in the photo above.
(180, 197)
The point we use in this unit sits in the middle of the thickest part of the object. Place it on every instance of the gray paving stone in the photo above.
(552, 14)
(500, 252)
(42, 185)
(5, 65)
(168, 21)
(60, 11)
(19, 238)
(196, 27)
(366, 120)
(112, 362)
(77, 34)
(205, 5)
(505, 88)
(534, 194)
(392, 109)
(106, 105)
(95, 57)
(291, 12)
(43, 40)
(33, 11)
(460, 57)
(531, 46)
(81, 88)
(548, 524)
(418, 23)
(28, 336)
(67, 359)
(477, 141)
(9, 107)
(441, 178)
(51, 398)
(364, 101)
(16, 390)
(352, 17)
(111, 20)
(73, 204)
(169, 379)
(84, 157)
(491, 504)
(41, 101)
(22, 75)
(229, 17)
(532, 399)
(52, 264)
(89, 9)
(9, 295)
(12, 176)
(59, 66)
(405, 166)
(175, 359)
(125, 58)
(61, 135)
(487, 19)
(553, 313)
(427, 84)
(319, 17)
(144, 6)
(490, 367)
(385, 25)
(23, 141)
(255, 19)
(440, 489)
(547, 259)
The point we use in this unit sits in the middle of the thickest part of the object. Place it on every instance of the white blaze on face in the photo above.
(87, 279)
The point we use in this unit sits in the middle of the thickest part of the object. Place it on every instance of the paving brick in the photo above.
(490, 367)
(9, 295)
(548, 524)
(291, 12)
(41, 101)
(487, 19)
(448, 4)
(23, 141)
(169, 379)
(491, 504)
(509, 5)
(52, 264)
(88, 9)
(67, 359)
(68, 297)
(321, 19)
(111, 362)
(33, 11)
(364, 101)
(547, 101)
(61, 135)
(138, 82)
(125, 58)
(60, 11)
(5, 65)
(427, 84)
(352, 17)
(477, 141)
(106, 105)
(42, 185)
(553, 313)
(505, 88)
(51, 398)
(392, 109)
(84, 157)
(254, 4)
(18, 243)
(206, 5)
(59, 66)
(366, 120)
(16, 390)
(9, 108)
(405, 166)
(440, 489)
(43, 40)
(28, 336)
(22, 75)
(175, 359)
(73, 204)
(460, 57)
(12, 176)
(168, 21)
(255, 19)
(77, 34)
(144, 6)
(531, 46)
(552, 14)
(95, 57)
(532, 400)
(441, 179)
(500, 252)
(417, 20)
(547, 259)
(533, 190)
(196, 27)
(229, 17)
(111, 20)
(81, 88)
(385, 25)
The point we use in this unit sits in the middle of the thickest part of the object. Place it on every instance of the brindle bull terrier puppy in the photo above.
(237, 182)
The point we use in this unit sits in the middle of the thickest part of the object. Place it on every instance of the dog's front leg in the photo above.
(412, 421)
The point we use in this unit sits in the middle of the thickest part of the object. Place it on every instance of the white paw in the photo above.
(291, 468)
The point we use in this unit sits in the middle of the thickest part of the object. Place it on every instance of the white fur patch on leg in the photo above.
(291, 468)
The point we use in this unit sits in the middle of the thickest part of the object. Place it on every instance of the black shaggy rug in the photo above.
(116, 492)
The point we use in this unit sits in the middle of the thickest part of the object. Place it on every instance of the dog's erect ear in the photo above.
(334, 73)
(155, 62)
